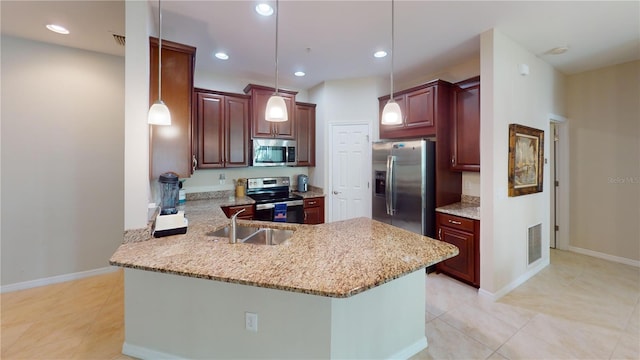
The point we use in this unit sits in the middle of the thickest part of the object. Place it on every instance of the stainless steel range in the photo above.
(273, 200)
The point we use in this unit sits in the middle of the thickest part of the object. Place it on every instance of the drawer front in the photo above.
(313, 202)
(231, 210)
(455, 222)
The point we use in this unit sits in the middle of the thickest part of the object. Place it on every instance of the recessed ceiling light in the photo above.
(558, 50)
(264, 9)
(380, 54)
(221, 56)
(58, 29)
(299, 73)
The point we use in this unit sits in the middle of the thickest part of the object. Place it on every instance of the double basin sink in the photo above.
(256, 236)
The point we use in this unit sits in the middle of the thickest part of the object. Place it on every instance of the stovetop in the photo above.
(271, 197)
(270, 190)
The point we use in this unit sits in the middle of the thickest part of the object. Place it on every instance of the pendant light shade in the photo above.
(391, 114)
(276, 110)
(159, 113)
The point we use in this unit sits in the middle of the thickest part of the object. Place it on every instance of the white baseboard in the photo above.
(411, 350)
(140, 352)
(56, 279)
(494, 296)
(604, 256)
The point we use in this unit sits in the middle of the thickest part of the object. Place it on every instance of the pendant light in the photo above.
(391, 114)
(276, 110)
(159, 112)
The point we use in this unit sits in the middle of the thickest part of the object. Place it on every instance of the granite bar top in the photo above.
(468, 208)
(337, 259)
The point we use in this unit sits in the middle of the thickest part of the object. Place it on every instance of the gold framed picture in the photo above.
(526, 160)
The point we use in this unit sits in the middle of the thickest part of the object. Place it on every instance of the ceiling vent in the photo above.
(119, 39)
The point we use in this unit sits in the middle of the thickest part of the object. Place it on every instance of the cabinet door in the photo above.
(170, 146)
(461, 266)
(261, 128)
(465, 151)
(314, 211)
(287, 129)
(237, 132)
(306, 134)
(211, 130)
(420, 110)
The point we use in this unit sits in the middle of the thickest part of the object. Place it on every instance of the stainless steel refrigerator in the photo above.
(404, 185)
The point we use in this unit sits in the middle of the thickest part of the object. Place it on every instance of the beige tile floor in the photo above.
(578, 307)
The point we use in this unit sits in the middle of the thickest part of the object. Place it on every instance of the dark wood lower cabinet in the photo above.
(246, 215)
(314, 210)
(465, 234)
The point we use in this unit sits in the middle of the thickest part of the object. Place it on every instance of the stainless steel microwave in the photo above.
(274, 152)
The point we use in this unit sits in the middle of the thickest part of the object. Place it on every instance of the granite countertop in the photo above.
(337, 259)
(469, 208)
(312, 193)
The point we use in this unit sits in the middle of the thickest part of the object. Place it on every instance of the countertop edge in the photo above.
(284, 288)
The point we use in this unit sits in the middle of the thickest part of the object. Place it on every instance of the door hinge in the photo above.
(557, 183)
(557, 228)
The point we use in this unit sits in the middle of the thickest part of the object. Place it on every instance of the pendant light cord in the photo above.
(277, 13)
(159, 50)
(392, 46)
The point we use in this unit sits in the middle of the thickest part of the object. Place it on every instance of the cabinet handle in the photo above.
(440, 234)
(312, 202)
(455, 222)
(305, 216)
(194, 161)
(453, 160)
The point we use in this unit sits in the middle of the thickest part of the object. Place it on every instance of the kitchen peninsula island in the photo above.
(349, 289)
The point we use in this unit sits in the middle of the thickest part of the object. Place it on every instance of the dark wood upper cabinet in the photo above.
(465, 150)
(260, 128)
(422, 107)
(222, 129)
(170, 146)
(306, 133)
(426, 112)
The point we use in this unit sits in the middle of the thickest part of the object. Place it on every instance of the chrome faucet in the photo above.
(232, 232)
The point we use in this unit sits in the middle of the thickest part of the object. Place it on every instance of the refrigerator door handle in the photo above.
(389, 182)
(387, 185)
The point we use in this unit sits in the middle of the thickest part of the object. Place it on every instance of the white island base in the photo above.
(170, 316)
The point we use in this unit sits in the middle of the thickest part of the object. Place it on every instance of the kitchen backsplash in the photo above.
(223, 179)
(471, 183)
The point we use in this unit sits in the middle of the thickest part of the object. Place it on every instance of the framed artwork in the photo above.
(526, 160)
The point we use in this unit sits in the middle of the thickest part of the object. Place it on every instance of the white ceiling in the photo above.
(336, 39)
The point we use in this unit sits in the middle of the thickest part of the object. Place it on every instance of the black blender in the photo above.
(170, 221)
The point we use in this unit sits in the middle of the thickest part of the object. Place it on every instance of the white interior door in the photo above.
(349, 190)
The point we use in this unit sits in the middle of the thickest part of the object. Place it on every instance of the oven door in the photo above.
(295, 211)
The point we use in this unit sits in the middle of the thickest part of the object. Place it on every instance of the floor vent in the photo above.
(535, 243)
(120, 40)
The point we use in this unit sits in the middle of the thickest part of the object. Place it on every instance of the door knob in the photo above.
(336, 192)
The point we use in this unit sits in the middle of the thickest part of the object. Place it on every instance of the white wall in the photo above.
(604, 118)
(341, 101)
(136, 146)
(508, 97)
(62, 159)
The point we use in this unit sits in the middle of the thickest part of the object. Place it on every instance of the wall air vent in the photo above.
(534, 240)
(119, 39)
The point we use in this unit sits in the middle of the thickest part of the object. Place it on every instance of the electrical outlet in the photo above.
(222, 179)
(251, 321)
